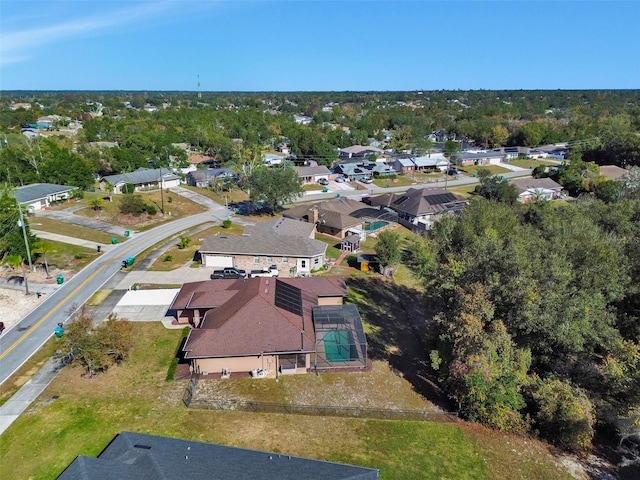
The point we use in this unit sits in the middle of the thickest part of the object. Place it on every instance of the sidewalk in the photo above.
(65, 239)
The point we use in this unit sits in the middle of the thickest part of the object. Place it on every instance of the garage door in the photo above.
(218, 261)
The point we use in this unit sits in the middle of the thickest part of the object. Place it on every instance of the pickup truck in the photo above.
(228, 272)
(271, 271)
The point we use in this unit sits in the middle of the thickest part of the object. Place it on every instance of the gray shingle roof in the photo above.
(138, 456)
(37, 191)
(140, 176)
(281, 237)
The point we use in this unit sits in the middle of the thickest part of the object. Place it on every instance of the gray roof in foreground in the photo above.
(37, 191)
(136, 456)
(140, 176)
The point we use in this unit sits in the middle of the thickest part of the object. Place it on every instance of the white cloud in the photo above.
(15, 46)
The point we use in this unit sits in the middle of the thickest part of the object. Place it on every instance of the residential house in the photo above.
(139, 456)
(209, 177)
(38, 196)
(530, 189)
(270, 159)
(558, 151)
(281, 325)
(359, 152)
(287, 243)
(302, 119)
(479, 158)
(142, 179)
(363, 169)
(432, 162)
(612, 172)
(419, 208)
(309, 175)
(403, 164)
(337, 217)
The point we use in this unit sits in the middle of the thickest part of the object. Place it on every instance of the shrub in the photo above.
(184, 242)
(128, 188)
(168, 258)
(170, 199)
(80, 256)
(226, 223)
(132, 205)
(150, 209)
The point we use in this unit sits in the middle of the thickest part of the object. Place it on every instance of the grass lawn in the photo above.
(223, 198)
(76, 231)
(79, 416)
(180, 256)
(175, 207)
(67, 257)
(532, 162)
(494, 169)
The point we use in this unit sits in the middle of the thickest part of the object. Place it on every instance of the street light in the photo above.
(151, 162)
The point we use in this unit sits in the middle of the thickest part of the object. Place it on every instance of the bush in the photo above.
(168, 258)
(80, 256)
(150, 209)
(226, 223)
(128, 188)
(132, 205)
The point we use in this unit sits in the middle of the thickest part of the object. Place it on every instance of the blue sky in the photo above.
(269, 45)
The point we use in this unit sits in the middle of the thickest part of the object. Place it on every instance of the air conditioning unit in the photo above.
(205, 372)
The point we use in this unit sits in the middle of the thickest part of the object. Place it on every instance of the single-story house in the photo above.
(359, 152)
(312, 174)
(142, 179)
(289, 244)
(403, 164)
(270, 159)
(479, 158)
(281, 325)
(41, 195)
(208, 177)
(302, 119)
(431, 162)
(612, 172)
(337, 217)
(536, 189)
(419, 208)
(139, 456)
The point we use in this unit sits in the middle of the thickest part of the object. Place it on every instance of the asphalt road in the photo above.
(20, 342)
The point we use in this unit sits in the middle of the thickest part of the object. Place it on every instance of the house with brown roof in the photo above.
(419, 208)
(530, 189)
(281, 326)
(335, 217)
(612, 172)
(286, 243)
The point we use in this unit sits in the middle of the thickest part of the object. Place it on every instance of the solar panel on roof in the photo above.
(288, 298)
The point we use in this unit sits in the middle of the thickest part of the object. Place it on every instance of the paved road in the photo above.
(19, 343)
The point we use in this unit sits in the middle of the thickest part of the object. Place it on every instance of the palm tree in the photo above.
(16, 261)
(43, 247)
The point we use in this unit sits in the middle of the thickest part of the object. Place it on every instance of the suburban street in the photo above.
(19, 343)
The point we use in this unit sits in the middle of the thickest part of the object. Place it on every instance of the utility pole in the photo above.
(24, 235)
(161, 193)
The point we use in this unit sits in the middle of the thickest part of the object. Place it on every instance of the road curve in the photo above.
(19, 343)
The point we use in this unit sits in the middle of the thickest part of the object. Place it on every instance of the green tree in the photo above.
(132, 205)
(42, 247)
(564, 414)
(388, 251)
(185, 241)
(96, 203)
(275, 186)
(96, 348)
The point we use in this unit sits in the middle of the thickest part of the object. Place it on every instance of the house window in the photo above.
(316, 261)
(285, 259)
(269, 259)
(303, 264)
(256, 259)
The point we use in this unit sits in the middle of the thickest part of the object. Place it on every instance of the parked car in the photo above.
(323, 181)
(366, 180)
(228, 272)
(271, 271)
(453, 171)
(340, 179)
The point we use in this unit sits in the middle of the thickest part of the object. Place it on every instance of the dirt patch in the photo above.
(15, 304)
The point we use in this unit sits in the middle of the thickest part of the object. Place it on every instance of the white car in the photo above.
(366, 180)
(340, 179)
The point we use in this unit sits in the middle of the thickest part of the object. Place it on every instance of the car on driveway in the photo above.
(323, 181)
(366, 180)
(340, 179)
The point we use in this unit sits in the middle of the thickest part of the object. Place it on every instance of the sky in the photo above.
(316, 45)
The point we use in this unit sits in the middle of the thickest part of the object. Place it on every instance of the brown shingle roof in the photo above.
(420, 201)
(249, 322)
